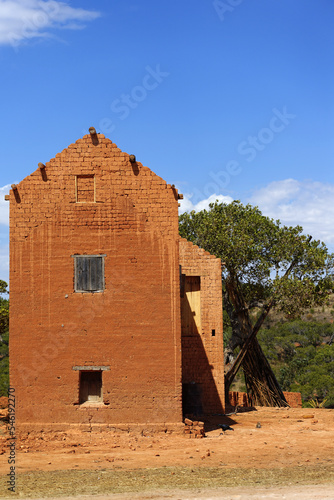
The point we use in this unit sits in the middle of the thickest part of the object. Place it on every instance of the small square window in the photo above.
(85, 188)
(88, 273)
(90, 388)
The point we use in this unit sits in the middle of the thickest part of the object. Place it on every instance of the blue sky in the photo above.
(224, 98)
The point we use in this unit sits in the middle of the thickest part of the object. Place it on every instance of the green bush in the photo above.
(4, 376)
(300, 358)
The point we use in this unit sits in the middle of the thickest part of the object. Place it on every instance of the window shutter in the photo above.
(89, 273)
(82, 273)
(95, 274)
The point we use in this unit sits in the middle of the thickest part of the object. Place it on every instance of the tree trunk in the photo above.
(262, 386)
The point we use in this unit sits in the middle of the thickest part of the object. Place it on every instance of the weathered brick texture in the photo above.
(202, 345)
(294, 399)
(91, 200)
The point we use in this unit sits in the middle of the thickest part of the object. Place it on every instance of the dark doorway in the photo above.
(192, 399)
(90, 387)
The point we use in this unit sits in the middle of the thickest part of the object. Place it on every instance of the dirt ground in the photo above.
(271, 453)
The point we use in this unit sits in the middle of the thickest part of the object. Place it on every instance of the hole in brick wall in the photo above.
(90, 388)
(213, 333)
(192, 399)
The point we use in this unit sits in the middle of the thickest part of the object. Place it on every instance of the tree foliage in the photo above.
(263, 259)
(302, 356)
(265, 264)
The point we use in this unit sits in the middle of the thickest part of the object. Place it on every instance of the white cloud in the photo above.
(188, 206)
(309, 204)
(21, 20)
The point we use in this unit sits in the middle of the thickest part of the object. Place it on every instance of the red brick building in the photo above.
(98, 281)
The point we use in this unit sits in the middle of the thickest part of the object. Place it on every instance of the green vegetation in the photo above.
(4, 324)
(266, 265)
(301, 354)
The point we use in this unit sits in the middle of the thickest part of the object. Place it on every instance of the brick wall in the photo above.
(202, 343)
(294, 399)
(239, 399)
(90, 199)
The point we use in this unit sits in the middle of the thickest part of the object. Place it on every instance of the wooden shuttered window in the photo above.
(89, 273)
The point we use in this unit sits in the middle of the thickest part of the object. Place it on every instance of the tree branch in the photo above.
(231, 374)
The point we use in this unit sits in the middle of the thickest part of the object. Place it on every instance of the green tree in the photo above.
(301, 354)
(4, 340)
(265, 264)
(315, 377)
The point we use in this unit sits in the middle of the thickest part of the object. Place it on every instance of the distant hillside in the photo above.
(323, 314)
(301, 354)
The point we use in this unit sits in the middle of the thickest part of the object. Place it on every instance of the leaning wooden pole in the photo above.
(262, 386)
(245, 347)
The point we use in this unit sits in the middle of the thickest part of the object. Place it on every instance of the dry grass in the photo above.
(87, 482)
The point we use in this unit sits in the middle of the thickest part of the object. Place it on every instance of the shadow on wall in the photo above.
(199, 391)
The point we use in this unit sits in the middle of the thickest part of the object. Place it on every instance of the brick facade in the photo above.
(202, 342)
(294, 399)
(91, 200)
